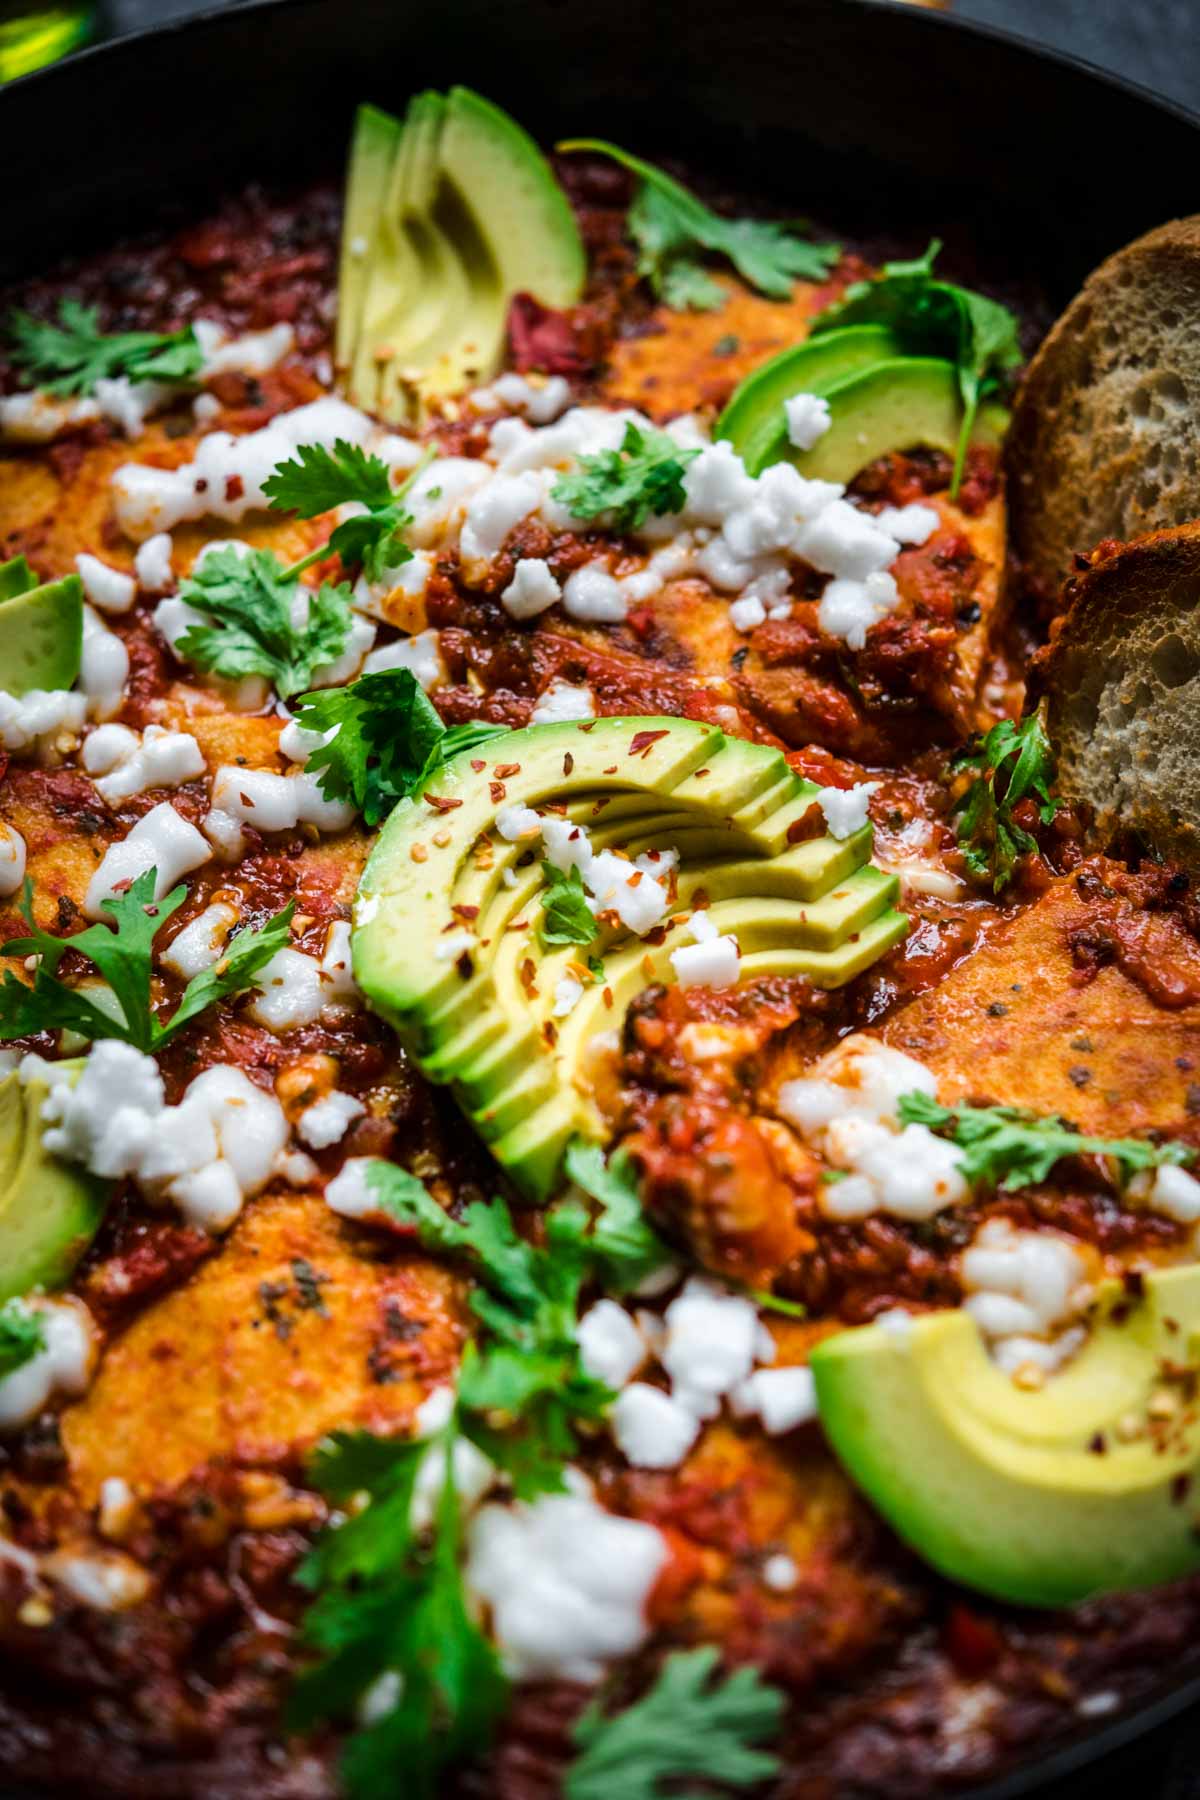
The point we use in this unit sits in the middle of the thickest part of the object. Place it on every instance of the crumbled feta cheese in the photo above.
(568, 992)
(29, 719)
(652, 1430)
(1022, 1284)
(845, 809)
(422, 654)
(592, 595)
(328, 1119)
(37, 417)
(251, 354)
(567, 1583)
(540, 403)
(848, 609)
(492, 512)
(160, 759)
(12, 861)
(62, 1366)
(780, 1573)
(516, 822)
(710, 1345)
(108, 588)
(908, 524)
(712, 964)
(201, 942)
(561, 702)
(808, 419)
(162, 840)
(294, 989)
(531, 590)
(782, 1398)
(152, 564)
(610, 1344)
(1176, 1194)
(103, 667)
(747, 614)
(349, 1194)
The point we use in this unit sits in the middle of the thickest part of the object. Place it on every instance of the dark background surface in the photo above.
(1155, 43)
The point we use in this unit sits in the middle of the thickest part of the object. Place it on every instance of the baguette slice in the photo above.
(1105, 440)
(1121, 677)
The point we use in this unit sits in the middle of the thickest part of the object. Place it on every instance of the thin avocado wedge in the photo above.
(910, 403)
(1040, 1497)
(754, 421)
(480, 1014)
(449, 215)
(49, 1210)
(41, 629)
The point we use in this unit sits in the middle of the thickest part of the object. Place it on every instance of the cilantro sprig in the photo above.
(124, 958)
(250, 600)
(930, 317)
(644, 476)
(1008, 1147)
(77, 354)
(670, 226)
(317, 480)
(390, 1602)
(566, 916)
(22, 1336)
(1012, 763)
(690, 1723)
(390, 742)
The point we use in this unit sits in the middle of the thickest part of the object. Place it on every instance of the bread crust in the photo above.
(1121, 678)
(1103, 441)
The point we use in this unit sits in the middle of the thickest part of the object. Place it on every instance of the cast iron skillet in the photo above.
(878, 117)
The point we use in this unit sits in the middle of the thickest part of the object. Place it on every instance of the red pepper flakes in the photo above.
(441, 803)
(643, 741)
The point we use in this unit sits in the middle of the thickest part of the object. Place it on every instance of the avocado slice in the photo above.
(448, 216)
(49, 1211)
(41, 641)
(483, 1022)
(1040, 1497)
(911, 402)
(754, 421)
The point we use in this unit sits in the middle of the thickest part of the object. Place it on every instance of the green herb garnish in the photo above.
(644, 476)
(22, 1336)
(250, 600)
(566, 916)
(124, 957)
(320, 479)
(689, 1724)
(1014, 762)
(929, 317)
(77, 354)
(1007, 1147)
(390, 741)
(669, 225)
(625, 1245)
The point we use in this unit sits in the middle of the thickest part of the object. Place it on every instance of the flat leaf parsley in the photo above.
(320, 479)
(1013, 763)
(690, 1723)
(566, 916)
(670, 225)
(930, 317)
(77, 354)
(257, 628)
(644, 476)
(1007, 1147)
(22, 1336)
(124, 957)
(389, 741)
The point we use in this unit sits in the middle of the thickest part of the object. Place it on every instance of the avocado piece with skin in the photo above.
(912, 402)
(754, 421)
(1043, 1496)
(49, 1210)
(449, 215)
(480, 1015)
(41, 629)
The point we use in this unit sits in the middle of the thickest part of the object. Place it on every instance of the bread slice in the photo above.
(1121, 678)
(1105, 440)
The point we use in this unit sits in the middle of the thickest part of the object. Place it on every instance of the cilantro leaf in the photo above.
(644, 476)
(22, 1336)
(390, 1602)
(929, 317)
(688, 1724)
(566, 916)
(124, 957)
(1013, 763)
(320, 479)
(78, 354)
(250, 600)
(623, 1243)
(1007, 1147)
(669, 224)
(389, 743)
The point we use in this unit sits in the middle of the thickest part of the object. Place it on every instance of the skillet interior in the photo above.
(892, 120)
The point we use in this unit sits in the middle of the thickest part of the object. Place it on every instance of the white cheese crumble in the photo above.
(110, 589)
(610, 1344)
(103, 667)
(846, 1108)
(269, 802)
(123, 764)
(202, 941)
(152, 564)
(28, 721)
(12, 861)
(651, 1429)
(420, 653)
(782, 1398)
(561, 702)
(37, 417)
(62, 1366)
(845, 809)
(1023, 1288)
(808, 419)
(532, 589)
(294, 989)
(251, 354)
(163, 841)
(565, 1581)
(328, 1119)
(711, 961)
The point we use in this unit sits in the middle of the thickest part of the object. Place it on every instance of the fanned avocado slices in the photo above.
(448, 215)
(49, 1210)
(446, 938)
(1042, 1497)
(41, 629)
